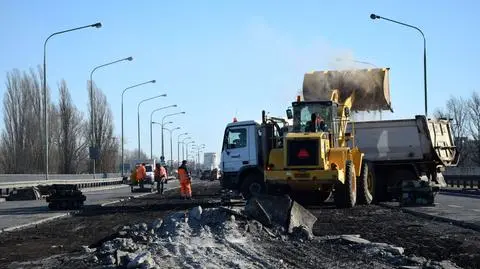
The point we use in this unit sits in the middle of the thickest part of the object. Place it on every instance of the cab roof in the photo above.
(246, 122)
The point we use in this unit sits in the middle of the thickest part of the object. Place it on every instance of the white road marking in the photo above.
(456, 206)
(476, 210)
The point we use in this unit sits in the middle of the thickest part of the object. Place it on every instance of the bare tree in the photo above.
(457, 111)
(474, 124)
(22, 146)
(103, 130)
(71, 144)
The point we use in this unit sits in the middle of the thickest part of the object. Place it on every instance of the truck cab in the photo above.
(240, 152)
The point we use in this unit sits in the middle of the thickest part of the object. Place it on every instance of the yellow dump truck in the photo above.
(312, 158)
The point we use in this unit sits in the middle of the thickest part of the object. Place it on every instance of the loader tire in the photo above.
(345, 195)
(253, 185)
(365, 186)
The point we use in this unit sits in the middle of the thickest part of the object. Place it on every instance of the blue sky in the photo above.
(218, 59)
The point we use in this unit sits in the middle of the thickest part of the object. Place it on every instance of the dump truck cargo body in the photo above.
(406, 150)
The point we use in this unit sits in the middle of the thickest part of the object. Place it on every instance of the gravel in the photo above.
(216, 238)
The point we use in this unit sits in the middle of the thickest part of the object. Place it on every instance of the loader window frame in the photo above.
(302, 112)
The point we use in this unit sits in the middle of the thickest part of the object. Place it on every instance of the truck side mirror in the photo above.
(289, 114)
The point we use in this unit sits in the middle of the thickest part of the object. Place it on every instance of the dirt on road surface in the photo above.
(96, 227)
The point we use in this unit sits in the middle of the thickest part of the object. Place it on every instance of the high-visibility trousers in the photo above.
(185, 188)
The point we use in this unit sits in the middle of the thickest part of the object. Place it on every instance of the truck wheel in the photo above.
(253, 185)
(345, 195)
(365, 186)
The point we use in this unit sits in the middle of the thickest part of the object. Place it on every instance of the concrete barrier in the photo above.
(9, 178)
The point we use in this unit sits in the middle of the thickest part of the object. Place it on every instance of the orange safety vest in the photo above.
(160, 172)
(141, 172)
(182, 174)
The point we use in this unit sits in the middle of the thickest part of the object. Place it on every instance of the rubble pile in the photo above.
(210, 238)
(228, 238)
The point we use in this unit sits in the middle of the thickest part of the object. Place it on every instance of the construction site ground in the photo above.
(418, 236)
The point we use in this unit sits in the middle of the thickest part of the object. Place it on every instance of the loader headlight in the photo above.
(270, 166)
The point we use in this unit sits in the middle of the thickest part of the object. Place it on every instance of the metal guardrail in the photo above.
(7, 187)
(461, 181)
(41, 177)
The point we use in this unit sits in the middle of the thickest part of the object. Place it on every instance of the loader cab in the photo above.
(301, 113)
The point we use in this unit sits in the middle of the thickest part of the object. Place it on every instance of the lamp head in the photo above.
(152, 81)
(97, 25)
(129, 58)
(373, 16)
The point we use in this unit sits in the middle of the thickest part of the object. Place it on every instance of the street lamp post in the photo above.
(374, 16)
(171, 142)
(45, 104)
(161, 125)
(92, 107)
(178, 146)
(151, 119)
(183, 146)
(163, 119)
(186, 147)
(137, 85)
(138, 118)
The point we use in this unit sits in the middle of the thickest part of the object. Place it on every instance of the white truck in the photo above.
(406, 157)
(210, 169)
(150, 171)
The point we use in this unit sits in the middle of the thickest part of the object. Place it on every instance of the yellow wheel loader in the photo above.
(309, 159)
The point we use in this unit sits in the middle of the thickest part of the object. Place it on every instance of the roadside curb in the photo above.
(27, 225)
(427, 216)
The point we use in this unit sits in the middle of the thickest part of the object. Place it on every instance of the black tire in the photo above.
(345, 194)
(380, 190)
(365, 181)
(253, 185)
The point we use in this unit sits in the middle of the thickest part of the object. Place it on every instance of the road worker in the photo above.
(141, 174)
(160, 177)
(185, 181)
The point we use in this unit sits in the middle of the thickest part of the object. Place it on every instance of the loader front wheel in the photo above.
(345, 194)
(253, 185)
(365, 186)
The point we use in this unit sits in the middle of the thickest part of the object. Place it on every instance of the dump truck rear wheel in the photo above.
(345, 195)
(253, 185)
(365, 184)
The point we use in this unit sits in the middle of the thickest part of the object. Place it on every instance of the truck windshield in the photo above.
(302, 115)
(148, 168)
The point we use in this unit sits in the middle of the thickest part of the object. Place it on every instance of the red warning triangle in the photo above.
(303, 153)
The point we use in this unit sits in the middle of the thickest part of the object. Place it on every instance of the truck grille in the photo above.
(302, 152)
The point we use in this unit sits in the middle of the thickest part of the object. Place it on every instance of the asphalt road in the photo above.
(454, 207)
(15, 213)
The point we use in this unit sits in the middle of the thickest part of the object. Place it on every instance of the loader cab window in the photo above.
(236, 138)
(302, 115)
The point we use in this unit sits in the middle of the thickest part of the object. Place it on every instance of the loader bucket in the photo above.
(371, 86)
(273, 210)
